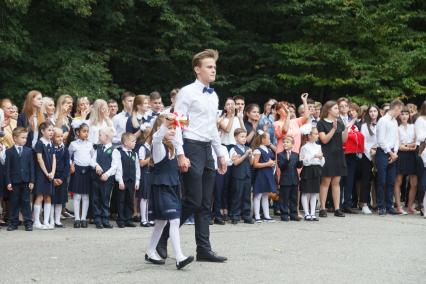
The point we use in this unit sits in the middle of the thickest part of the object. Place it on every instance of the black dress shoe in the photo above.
(219, 221)
(59, 225)
(77, 224)
(154, 261)
(84, 224)
(295, 218)
(28, 228)
(107, 226)
(185, 262)
(285, 219)
(248, 221)
(145, 224)
(210, 256)
(323, 213)
(339, 213)
(12, 228)
(120, 225)
(349, 211)
(99, 226)
(130, 225)
(136, 218)
(234, 222)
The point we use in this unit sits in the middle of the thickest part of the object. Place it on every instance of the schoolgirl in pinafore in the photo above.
(62, 172)
(145, 183)
(264, 181)
(43, 186)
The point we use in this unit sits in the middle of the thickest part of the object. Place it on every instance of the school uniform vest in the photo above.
(166, 172)
(243, 170)
(128, 165)
(104, 158)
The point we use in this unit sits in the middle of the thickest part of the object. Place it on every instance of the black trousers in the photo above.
(198, 184)
(288, 200)
(19, 198)
(240, 199)
(125, 203)
(101, 195)
(366, 167)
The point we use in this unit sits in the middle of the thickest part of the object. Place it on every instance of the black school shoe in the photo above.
(219, 221)
(210, 256)
(145, 224)
(234, 221)
(99, 226)
(155, 261)
(77, 224)
(130, 225)
(350, 211)
(28, 228)
(83, 223)
(323, 213)
(185, 262)
(120, 225)
(248, 221)
(339, 213)
(107, 226)
(12, 228)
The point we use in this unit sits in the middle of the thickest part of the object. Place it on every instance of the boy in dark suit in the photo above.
(19, 178)
(288, 161)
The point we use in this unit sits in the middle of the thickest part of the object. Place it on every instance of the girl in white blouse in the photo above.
(406, 163)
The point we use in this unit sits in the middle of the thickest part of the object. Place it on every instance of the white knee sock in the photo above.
(175, 238)
(256, 205)
(155, 237)
(144, 210)
(52, 216)
(304, 200)
(46, 213)
(85, 206)
(313, 202)
(37, 209)
(265, 205)
(424, 206)
(58, 210)
(77, 199)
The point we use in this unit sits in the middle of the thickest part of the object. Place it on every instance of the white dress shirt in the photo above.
(116, 160)
(201, 109)
(232, 152)
(308, 152)
(119, 123)
(81, 152)
(111, 171)
(420, 129)
(423, 156)
(387, 134)
(226, 156)
(370, 141)
(142, 151)
(406, 134)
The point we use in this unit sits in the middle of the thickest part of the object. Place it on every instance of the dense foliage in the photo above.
(369, 50)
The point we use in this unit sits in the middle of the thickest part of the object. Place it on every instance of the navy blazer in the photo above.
(289, 175)
(23, 122)
(62, 163)
(19, 169)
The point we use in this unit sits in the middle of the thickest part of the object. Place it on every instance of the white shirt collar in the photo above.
(328, 120)
(45, 141)
(200, 85)
(17, 147)
(108, 145)
(59, 146)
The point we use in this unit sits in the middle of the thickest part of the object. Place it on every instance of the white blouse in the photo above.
(81, 152)
(370, 141)
(406, 134)
(420, 127)
(229, 138)
(308, 152)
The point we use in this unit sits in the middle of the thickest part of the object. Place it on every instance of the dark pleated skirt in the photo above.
(406, 163)
(81, 180)
(145, 186)
(310, 179)
(166, 202)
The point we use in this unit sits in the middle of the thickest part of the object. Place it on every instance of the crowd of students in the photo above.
(121, 165)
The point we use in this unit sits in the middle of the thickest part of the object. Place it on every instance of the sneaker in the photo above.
(39, 226)
(323, 213)
(400, 211)
(382, 212)
(412, 211)
(258, 220)
(365, 210)
(269, 220)
(392, 211)
(189, 221)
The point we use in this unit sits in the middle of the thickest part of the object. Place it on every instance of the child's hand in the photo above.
(319, 156)
(9, 187)
(31, 186)
(50, 176)
(301, 157)
(72, 168)
(121, 186)
(57, 182)
(104, 177)
(98, 170)
(271, 163)
(249, 152)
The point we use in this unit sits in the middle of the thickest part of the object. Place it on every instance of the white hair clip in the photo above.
(306, 129)
(260, 132)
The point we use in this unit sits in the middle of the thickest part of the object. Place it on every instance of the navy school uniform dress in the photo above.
(165, 189)
(241, 187)
(62, 172)
(289, 183)
(264, 181)
(126, 196)
(43, 186)
(19, 171)
(101, 190)
(145, 180)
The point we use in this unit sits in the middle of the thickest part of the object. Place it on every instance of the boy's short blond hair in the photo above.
(127, 136)
(18, 131)
(108, 131)
(207, 53)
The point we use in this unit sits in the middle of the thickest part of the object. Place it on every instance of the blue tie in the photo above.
(127, 114)
(208, 90)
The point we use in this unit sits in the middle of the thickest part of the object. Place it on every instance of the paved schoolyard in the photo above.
(355, 249)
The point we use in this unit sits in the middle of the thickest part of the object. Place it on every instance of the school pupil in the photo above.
(44, 175)
(288, 162)
(144, 192)
(310, 177)
(19, 178)
(264, 163)
(422, 151)
(128, 178)
(103, 178)
(165, 192)
(81, 152)
(60, 181)
(242, 159)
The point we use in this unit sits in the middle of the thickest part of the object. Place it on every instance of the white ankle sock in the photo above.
(155, 237)
(144, 210)
(85, 206)
(77, 199)
(37, 209)
(265, 205)
(175, 238)
(46, 213)
(256, 205)
(313, 202)
(58, 210)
